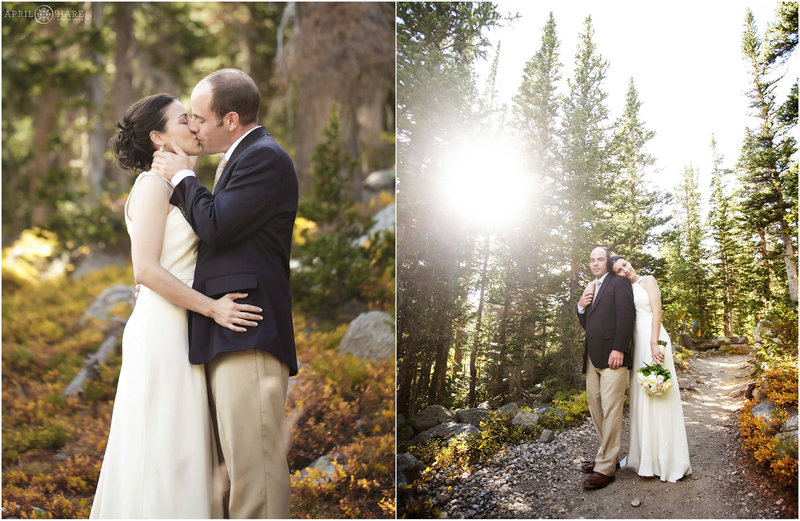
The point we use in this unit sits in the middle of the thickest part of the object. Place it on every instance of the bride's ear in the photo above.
(157, 139)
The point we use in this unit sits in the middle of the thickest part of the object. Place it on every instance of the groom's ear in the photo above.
(231, 121)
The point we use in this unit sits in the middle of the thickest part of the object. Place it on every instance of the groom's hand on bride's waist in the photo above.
(167, 164)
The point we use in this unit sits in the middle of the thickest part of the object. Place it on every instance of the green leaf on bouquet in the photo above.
(655, 369)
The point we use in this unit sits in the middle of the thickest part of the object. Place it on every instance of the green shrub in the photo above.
(334, 267)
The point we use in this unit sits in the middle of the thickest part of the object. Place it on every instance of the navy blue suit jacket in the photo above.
(609, 322)
(245, 229)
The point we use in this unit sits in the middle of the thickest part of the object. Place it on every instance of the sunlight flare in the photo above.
(487, 183)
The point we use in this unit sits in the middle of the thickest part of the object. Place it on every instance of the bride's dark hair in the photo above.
(612, 260)
(131, 145)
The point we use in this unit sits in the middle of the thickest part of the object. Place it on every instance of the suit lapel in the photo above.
(597, 297)
(243, 145)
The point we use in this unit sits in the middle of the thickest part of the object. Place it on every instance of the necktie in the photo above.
(218, 173)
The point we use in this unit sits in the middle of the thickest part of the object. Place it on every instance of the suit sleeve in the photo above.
(625, 314)
(582, 319)
(244, 205)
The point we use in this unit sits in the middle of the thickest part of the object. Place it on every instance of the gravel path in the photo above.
(542, 480)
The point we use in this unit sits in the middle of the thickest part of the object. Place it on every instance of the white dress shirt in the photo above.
(581, 309)
(183, 174)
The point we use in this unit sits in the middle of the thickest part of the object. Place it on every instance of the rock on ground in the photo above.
(445, 430)
(431, 416)
(370, 336)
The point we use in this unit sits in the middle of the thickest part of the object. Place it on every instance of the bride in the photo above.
(658, 445)
(160, 452)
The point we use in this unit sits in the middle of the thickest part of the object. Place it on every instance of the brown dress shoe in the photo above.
(588, 467)
(597, 480)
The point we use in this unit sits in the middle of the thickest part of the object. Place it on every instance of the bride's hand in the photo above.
(658, 354)
(230, 314)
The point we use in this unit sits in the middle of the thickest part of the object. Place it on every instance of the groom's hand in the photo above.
(167, 164)
(615, 359)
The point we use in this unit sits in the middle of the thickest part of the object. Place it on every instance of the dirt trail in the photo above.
(538, 480)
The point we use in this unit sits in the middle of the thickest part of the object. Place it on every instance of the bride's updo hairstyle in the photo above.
(613, 260)
(131, 145)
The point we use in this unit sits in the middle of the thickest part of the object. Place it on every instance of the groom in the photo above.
(606, 312)
(245, 228)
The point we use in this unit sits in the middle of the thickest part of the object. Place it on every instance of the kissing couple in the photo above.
(620, 311)
(197, 429)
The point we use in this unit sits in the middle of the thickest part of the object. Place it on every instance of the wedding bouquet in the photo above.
(655, 379)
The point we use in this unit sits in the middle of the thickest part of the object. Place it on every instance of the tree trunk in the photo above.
(93, 167)
(439, 373)
(788, 259)
(340, 51)
(405, 375)
(122, 93)
(473, 359)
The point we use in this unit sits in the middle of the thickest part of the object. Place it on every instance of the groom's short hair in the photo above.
(233, 90)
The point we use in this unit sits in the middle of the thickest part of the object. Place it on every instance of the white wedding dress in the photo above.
(159, 458)
(658, 445)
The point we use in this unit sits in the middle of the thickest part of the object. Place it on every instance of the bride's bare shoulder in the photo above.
(649, 281)
(148, 186)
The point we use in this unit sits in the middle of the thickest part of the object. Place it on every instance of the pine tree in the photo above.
(723, 233)
(335, 267)
(635, 208)
(687, 258)
(769, 181)
(536, 105)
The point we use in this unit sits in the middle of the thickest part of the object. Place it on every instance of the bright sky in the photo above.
(684, 56)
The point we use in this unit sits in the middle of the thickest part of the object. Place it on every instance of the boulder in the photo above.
(765, 410)
(551, 410)
(748, 392)
(431, 416)
(100, 308)
(380, 180)
(484, 405)
(705, 344)
(762, 331)
(323, 464)
(547, 436)
(384, 222)
(790, 424)
(735, 349)
(408, 466)
(472, 416)
(787, 443)
(97, 260)
(525, 420)
(739, 340)
(447, 430)
(759, 395)
(370, 336)
(685, 341)
(509, 409)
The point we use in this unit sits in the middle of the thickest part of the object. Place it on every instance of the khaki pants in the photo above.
(247, 390)
(605, 392)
